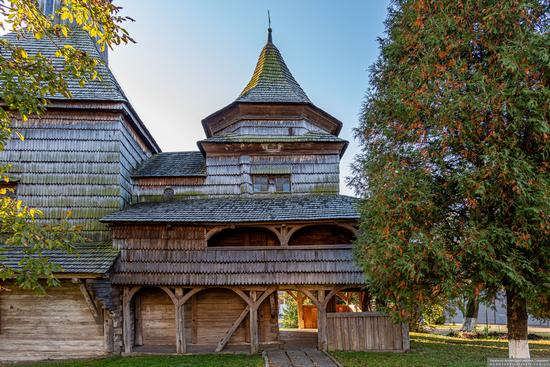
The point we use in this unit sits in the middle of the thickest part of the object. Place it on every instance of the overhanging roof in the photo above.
(239, 209)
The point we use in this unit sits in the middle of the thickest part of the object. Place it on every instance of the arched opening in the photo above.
(322, 235)
(244, 236)
(155, 323)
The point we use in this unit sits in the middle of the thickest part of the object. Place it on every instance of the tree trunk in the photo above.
(470, 317)
(516, 308)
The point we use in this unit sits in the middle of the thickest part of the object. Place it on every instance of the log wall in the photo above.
(159, 237)
(57, 325)
(75, 161)
(272, 127)
(365, 331)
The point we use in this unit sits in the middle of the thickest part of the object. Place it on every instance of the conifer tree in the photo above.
(454, 165)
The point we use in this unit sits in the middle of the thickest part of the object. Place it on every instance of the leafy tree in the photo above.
(290, 312)
(454, 162)
(27, 80)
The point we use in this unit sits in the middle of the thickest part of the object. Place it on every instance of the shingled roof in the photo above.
(104, 88)
(241, 209)
(89, 258)
(173, 164)
(237, 267)
(272, 82)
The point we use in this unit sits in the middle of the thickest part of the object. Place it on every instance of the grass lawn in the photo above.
(440, 351)
(209, 360)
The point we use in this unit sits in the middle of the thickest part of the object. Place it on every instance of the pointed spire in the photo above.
(271, 81)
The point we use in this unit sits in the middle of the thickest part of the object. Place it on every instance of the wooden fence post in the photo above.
(406, 337)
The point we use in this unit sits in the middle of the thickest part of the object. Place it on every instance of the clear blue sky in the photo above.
(194, 57)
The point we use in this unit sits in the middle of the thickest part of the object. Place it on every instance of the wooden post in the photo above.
(127, 320)
(322, 321)
(181, 346)
(254, 342)
(300, 302)
(138, 335)
(108, 332)
(194, 321)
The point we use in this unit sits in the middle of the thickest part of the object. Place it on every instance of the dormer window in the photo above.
(271, 183)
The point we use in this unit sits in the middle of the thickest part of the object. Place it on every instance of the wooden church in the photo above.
(188, 251)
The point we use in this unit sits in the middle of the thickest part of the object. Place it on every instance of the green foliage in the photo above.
(27, 80)
(290, 312)
(454, 162)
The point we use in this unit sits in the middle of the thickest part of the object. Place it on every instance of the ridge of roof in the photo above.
(105, 88)
(272, 81)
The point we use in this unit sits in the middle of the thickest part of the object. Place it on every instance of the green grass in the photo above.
(209, 360)
(440, 351)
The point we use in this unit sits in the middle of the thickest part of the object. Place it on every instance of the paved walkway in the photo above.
(302, 357)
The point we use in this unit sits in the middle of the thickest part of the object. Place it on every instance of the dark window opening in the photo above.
(322, 235)
(247, 236)
(271, 183)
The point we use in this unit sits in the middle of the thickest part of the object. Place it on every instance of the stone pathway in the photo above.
(303, 357)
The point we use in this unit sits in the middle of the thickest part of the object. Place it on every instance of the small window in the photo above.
(271, 183)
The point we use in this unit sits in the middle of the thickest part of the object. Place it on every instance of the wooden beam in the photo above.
(194, 321)
(300, 303)
(254, 342)
(322, 322)
(108, 332)
(229, 333)
(181, 345)
(189, 294)
(138, 328)
(127, 320)
(91, 304)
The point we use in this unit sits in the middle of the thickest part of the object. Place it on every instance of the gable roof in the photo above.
(173, 164)
(272, 81)
(104, 88)
(238, 209)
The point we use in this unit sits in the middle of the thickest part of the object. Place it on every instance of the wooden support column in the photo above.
(300, 302)
(181, 346)
(194, 319)
(138, 325)
(108, 332)
(254, 341)
(322, 321)
(128, 320)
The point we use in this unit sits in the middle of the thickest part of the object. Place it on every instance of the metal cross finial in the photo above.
(269, 39)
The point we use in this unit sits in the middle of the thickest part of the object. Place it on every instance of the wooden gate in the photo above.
(365, 331)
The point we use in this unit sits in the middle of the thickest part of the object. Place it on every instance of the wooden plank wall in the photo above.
(74, 161)
(57, 325)
(160, 237)
(363, 331)
(230, 175)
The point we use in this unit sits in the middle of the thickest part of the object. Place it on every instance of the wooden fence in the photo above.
(365, 331)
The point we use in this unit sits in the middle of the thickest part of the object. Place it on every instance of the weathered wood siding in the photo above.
(158, 237)
(364, 331)
(272, 127)
(57, 325)
(75, 161)
(230, 175)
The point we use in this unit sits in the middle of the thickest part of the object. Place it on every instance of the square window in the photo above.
(271, 183)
